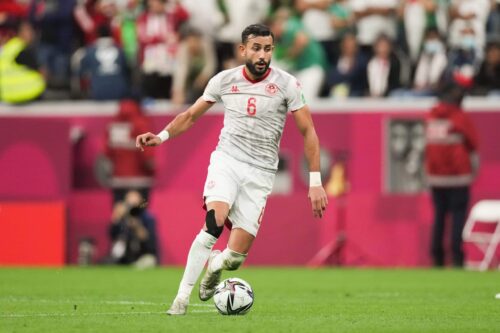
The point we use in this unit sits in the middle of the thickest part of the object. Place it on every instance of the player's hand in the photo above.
(147, 139)
(319, 200)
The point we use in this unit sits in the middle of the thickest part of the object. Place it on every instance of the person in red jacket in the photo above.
(10, 13)
(131, 169)
(158, 40)
(452, 163)
(12, 8)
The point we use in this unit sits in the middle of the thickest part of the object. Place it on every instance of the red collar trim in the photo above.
(245, 75)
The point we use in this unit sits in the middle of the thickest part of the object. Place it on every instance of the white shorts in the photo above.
(243, 187)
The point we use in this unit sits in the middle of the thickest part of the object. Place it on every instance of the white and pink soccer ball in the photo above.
(233, 296)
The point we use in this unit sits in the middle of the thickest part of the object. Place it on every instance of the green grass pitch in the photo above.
(121, 299)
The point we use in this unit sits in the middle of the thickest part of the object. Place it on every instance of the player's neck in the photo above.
(253, 78)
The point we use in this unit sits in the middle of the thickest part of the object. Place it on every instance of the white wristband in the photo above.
(314, 178)
(163, 135)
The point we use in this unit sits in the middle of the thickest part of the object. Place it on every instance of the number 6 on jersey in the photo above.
(251, 106)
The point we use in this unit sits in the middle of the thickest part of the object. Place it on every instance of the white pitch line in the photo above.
(77, 301)
(203, 311)
(145, 303)
(27, 315)
(123, 303)
(203, 305)
(22, 315)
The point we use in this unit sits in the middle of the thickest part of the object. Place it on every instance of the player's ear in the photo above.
(242, 49)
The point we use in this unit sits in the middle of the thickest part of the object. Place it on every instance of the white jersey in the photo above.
(254, 113)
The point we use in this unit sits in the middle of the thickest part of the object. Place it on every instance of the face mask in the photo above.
(433, 46)
(468, 42)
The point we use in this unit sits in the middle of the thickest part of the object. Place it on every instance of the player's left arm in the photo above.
(317, 194)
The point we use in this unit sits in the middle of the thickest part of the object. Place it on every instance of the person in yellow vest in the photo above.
(20, 79)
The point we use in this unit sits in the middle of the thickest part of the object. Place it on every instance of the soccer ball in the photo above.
(233, 296)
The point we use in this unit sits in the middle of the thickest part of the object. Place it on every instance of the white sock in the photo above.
(197, 258)
(222, 260)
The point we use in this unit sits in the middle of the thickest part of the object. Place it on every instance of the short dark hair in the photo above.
(256, 30)
(187, 30)
(104, 30)
(451, 92)
(432, 31)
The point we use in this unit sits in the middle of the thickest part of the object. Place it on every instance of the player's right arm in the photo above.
(181, 123)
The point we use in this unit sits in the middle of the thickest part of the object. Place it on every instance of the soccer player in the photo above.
(242, 168)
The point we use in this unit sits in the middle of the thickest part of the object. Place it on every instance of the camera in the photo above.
(136, 211)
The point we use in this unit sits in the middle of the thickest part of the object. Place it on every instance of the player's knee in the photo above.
(233, 260)
(213, 227)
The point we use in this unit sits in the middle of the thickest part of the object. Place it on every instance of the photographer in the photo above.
(133, 233)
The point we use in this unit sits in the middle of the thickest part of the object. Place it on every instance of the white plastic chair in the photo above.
(487, 212)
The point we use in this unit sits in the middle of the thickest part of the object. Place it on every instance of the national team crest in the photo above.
(271, 88)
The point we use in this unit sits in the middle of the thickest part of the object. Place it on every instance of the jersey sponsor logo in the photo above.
(271, 88)
(234, 89)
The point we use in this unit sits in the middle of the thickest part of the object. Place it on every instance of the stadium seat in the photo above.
(482, 228)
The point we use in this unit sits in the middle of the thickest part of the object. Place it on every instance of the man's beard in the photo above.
(253, 69)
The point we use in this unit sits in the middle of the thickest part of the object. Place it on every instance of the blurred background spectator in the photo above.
(125, 20)
(92, 14)
(300, 54)
(466, 53)
(21, 79)
(11, 9)
(130, 168)
(196, 63)
(468, 20)
(157, 30)
(133, 233)
(308, 41)
(318, 22)
(383, 69)
(488, 78)
(53, 20)
(418, 16)
(347, 76)
(431, 65)
(452, 164)
(374, 18)
(104, 67)
(342, 19)
(205, 16)
(493, 26)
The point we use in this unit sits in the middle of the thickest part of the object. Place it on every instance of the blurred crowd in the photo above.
(169, 49)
